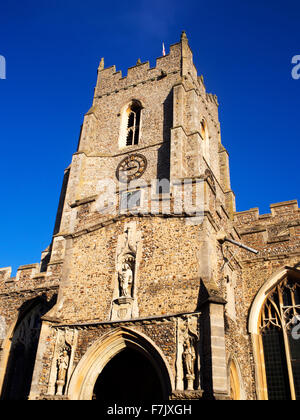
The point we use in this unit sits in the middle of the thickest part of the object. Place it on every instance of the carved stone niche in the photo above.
(188, 354)
(124, 302)
(62, 361)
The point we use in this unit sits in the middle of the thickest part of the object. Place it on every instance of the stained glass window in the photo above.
(280, 317)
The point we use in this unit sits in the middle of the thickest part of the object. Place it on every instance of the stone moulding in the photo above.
(141, 321)
(120, 217)
(104, 349)
(46, 397)
(187, 395)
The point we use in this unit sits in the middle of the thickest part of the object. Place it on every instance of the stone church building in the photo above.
(153, 287)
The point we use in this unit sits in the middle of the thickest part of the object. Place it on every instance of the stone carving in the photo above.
(126, 274)
(126, 266)
(124, 295)
(187, 357)
(62, 362)
(62, 368)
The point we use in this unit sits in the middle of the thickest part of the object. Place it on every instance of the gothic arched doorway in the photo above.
(23, 347)
(129, 376)
(122, 365)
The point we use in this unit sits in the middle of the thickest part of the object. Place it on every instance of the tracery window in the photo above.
(130, 124)
(279, 319)
(133, 127)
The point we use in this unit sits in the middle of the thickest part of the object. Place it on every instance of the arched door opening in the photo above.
(129, 376)
(23, 347)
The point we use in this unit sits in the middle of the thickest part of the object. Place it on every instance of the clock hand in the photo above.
(128, 169)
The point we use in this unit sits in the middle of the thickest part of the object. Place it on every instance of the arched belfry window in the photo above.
(280, 340)
(131, 124)
(205, 138)
(203, 129)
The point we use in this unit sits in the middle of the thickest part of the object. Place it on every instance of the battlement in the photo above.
(110, 80)
(24, 273)
(285, 208)
(5, 274)
(179, 60)
(27, 277)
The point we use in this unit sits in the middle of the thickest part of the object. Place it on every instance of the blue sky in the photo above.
(52, 49)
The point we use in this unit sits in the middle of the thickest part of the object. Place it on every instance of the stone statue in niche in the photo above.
(125, 279)
(189, 341)
(126, 275)
(189, 356)
(124, 303)
(62, 368)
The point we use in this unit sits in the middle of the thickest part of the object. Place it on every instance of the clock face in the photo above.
(132, 167)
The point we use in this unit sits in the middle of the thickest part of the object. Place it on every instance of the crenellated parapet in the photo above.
(276, 234)
(179, 61)
(5, 274)
(111, 81)
(283, 209)
(28, 277)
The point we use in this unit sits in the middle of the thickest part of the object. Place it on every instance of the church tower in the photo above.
(136, 238)
(151, 288)
(145, 259)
